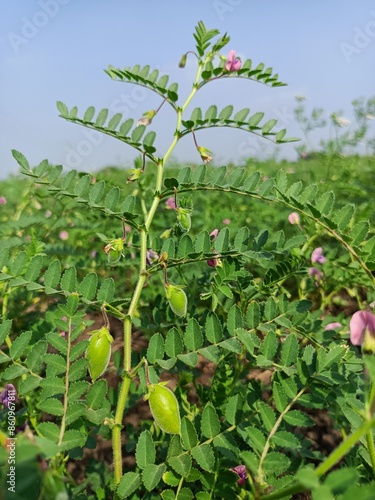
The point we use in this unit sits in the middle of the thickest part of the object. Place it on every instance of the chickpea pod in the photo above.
(99, 352)
(177, 299)
(164, 408)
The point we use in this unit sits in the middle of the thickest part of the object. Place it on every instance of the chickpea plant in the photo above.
(200, 295)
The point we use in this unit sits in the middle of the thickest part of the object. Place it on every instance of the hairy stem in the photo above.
(63, 420)
(128, 320)
(344, 447)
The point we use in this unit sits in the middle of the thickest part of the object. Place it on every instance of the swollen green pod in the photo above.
(184, 219)
(164, 408)
(177, 299)
(99, 352)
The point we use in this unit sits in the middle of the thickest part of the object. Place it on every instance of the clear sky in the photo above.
(54, 50)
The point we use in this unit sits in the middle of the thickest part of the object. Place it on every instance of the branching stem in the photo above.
(128, 320)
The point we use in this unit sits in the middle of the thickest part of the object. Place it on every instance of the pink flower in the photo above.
(3, 200)
(213, 234)
(333, 326)
(233, 63)
(63, 235)
(226, 221)
(240, 470)
(151, 257)
(294, 218)
(315, 274)
(362, 330)
(8, 396)
(317, 256)
(212, 262)
(170, 203)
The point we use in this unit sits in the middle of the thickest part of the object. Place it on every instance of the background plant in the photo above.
(255, 310)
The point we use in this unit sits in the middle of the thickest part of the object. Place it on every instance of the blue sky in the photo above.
(57, 50)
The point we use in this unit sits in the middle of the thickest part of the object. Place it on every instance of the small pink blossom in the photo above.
(3, 200)
(240, 470)
(47, 214)
(315, 274)
(63, 235)
(226, 221)
(151, 257)
(294, 218)
(63, 333)
(212, 262)
(170, 203)
(362, 330)
(93, 254)
(317, 256)
(333, 326)
(233, 63)
(9, 395)
(213, 234)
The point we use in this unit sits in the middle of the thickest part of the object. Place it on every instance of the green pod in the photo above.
(164, 408)
(113, 257)
(184, 219)
(177, 299)
(99, 352)
(114, 251)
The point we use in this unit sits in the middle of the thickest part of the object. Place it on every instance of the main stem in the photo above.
(142, 276)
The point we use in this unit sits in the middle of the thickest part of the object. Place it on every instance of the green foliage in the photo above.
(245, 340)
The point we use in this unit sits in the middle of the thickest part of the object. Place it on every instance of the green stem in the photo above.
(63, 420)
(371, 448)
(4, 315)
(344, 447)
(369, 411)
(117, 428)
(128, 319)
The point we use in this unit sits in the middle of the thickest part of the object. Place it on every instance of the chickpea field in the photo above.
(191, 331)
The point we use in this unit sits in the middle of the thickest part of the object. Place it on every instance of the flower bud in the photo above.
(151, 257)
(171, 203)
(99, 352)
(317, 256)
(240, 470)
(233, 63)
(8, 396)
(165, 234)
(294, 218)
(135, 174)
(362, 330)
(146, 118)
(205, 153)
(177, 299)
(315, 274)
(182, 62)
